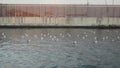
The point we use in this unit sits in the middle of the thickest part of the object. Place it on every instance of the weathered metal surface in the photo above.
(47, 10)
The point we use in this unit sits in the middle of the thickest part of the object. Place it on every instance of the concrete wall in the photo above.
(59, 21)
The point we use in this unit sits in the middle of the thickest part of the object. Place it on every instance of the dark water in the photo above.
(60, 48)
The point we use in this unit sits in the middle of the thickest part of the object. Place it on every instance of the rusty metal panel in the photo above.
(20, 10)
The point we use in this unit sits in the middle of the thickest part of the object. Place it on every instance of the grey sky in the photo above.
(116, 2)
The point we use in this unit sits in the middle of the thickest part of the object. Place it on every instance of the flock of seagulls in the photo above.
(62, 36)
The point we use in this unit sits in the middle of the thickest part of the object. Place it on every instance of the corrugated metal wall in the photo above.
(32, 10)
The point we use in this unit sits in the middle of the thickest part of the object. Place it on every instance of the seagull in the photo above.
(95, 38)
(118, 37)
(83, 37)
(96, 41)
(3, 33)
(103, 38)
(41, 38)
(75, 42)
(26, 35)
(86, 35)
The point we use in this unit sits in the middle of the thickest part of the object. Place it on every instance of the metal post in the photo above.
(15, 12)
(107, 11)
(87, 12)
(64, 12)
(21, 14)
(3, 12)
(39, 13)
(113, 9)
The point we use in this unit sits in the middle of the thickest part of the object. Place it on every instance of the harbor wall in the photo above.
(59, 21)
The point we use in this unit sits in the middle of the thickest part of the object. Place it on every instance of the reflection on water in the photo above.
(59, 48)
